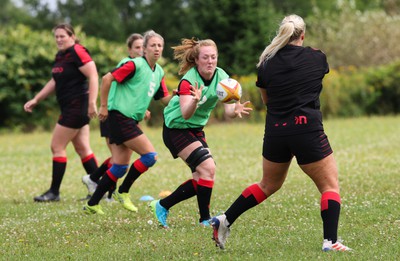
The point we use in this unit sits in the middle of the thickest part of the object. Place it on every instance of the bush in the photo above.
(27, 57)
(353, 38)
(385, 85)
(351, 92)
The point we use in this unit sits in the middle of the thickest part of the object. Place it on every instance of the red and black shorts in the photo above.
(122, 128)
(307, 147)
(74, 115)
(178, 139)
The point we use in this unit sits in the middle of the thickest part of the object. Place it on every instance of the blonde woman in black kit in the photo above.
(75, 82)
(290, 81)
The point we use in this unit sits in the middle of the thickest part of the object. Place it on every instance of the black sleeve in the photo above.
(260, 82)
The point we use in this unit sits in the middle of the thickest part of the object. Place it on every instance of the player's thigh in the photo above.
(81, 141)
(140, 144)
(324, 174)
(60, 139)
(274, 175)
(121, 154)
(185, 153)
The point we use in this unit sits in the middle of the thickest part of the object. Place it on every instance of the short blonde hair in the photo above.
(150, 34)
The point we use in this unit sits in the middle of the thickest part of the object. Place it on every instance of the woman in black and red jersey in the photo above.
(75, 82)
(290, 81)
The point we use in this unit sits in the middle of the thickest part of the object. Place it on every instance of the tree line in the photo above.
(358, 36)
(241, 28)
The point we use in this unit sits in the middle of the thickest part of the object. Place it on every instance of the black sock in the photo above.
(100, 171)
(136, 169)
(104, 185)
(330, 211)
(59, 166)
(111, 191)
(250, 197)
(184, 191)
(204, 191)
(90, 163)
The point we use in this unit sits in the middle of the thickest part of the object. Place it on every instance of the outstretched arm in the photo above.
(233, 110)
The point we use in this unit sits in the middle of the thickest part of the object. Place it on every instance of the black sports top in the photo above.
(293, 82)
(70, 81)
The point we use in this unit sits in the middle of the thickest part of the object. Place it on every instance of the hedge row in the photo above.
(26, 58)
(351, 92)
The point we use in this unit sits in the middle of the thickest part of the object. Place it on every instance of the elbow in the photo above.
(108, 78)
(186, 116)
(104, 78)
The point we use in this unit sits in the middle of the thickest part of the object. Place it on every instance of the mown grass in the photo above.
(285, 227)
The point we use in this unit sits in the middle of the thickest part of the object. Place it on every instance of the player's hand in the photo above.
(241, 108)
(196, 91)
(147, 115)
(92, 111)
(29, 105)
(103, 113)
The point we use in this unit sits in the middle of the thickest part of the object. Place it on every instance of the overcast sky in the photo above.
(52, 3)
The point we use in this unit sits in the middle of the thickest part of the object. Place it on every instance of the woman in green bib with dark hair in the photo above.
(185, 116)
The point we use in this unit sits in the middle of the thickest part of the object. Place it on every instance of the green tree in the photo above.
(26, 58)
(365, 39)
(240, 28)
(12, 15)
(172, 19)
(99, 18)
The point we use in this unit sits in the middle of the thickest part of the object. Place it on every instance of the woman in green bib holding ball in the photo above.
(185, 116)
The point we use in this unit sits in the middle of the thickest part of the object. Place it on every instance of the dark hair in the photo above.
(132, 38)
(68, 28)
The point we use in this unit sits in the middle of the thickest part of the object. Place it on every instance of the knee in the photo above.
(57, 150)
(118, 171)
(269, 188)
(209, 170)
(83, 150)
(149, 159)
(197, 157)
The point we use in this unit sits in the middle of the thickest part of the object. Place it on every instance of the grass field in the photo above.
(286, 226)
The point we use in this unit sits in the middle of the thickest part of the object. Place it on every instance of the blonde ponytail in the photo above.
(290, 29)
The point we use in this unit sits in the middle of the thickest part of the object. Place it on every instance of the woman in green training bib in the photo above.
(126, 93)
(185, 116)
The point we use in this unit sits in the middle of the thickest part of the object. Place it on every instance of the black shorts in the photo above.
(178, 139)
(74, 115)
(122, 128)
(306, 147)
(105, 128)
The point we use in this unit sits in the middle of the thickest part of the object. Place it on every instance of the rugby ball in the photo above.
(229, 90)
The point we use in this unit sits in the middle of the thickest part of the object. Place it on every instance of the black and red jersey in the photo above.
(70, 81)
(293, 82)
